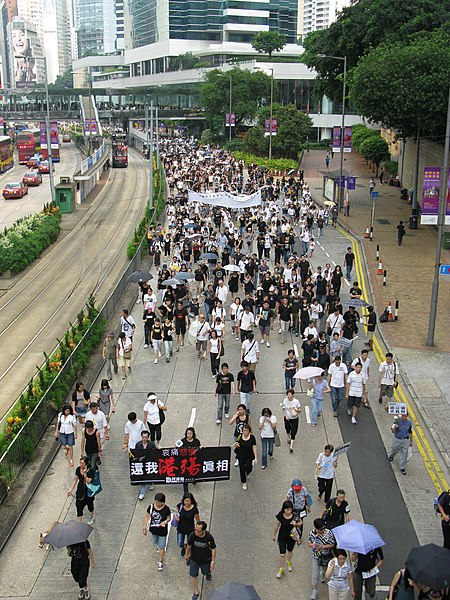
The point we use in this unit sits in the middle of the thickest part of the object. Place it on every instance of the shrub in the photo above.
(278, 164)
(391, 166)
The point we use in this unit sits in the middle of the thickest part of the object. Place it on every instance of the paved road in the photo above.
(401, 507)
(11, 210)
(89, 259)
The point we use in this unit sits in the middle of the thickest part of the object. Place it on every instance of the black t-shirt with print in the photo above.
(157, 516)
(201, 547)
(224, 383)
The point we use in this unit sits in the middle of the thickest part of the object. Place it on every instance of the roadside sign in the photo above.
(343, 449)
(444, 270)
(374, 195)
(397, 408)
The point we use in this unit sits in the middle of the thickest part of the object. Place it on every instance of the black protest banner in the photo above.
(179, 465)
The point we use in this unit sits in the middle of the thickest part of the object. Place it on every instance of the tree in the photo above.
(250, 89)
(360, 133)
(184, 61)
(363, 26)
(293, 129)
(375, 148)
(62, 81)
(417, 92)
(267, 42)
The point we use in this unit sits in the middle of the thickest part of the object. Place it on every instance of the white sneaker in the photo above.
(160, 566)
(268, 345)
(155, 361)
(218, 421)
(279, 332)
(349, 412)
(145, 345)
(214, 376)
(141, 496)
(354, 421)
(262, 341)
(244, 486)
(91, 520)
(227, 416)
(236, 463)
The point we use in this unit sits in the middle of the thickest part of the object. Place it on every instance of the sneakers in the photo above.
(354, 421)
(280, 572)
(402, 471)
(160, 566)
(322, 577)
(87, 593)
(141, 497)
(167, 359)
(81, 594)
(177, 349)
(236, 463)
(218, 421)
(263, 467)
(390, 458)
(314, 595)
(91, 520)
(289, 566)
(155, 361)
(279, 332)
(145, 345)
(214, 376)
(209, 577)
(349, 412)
(195, 596)
(268, 345)
(183, 550)
(227, 415)
(244, 486)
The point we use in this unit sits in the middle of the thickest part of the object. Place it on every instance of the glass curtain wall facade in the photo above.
(90, 26)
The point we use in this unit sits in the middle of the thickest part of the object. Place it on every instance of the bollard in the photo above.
(397, 302)
(371, 235)
(384, 277)
(378, 253)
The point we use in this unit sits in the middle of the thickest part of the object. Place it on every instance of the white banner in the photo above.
(226, 199)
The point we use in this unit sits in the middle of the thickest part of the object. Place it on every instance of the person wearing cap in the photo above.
(109, 354)
(337, 379)
(152, 417)
(299, 496)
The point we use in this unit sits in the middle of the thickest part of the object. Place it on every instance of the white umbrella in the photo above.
(232, 268)
(357, 537)
(308, 372)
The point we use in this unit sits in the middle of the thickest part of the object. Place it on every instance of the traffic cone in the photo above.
(367, 232)
(390, 315)
(380, 268)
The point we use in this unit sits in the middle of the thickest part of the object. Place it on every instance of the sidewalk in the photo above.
(410, 271)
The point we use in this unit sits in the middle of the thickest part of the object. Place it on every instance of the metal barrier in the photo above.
(22, 447)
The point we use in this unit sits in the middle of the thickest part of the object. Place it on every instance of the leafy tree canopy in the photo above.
(267, 42)
(405, 85)
(63, 81)
(250, 89)
(293, 129)
(375, 148)
(363, 26)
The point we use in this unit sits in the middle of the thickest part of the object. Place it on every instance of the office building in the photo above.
(318, 14)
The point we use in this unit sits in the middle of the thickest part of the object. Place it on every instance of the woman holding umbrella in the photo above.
(81, 558)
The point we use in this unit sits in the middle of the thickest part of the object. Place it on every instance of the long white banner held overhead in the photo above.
(226, 199)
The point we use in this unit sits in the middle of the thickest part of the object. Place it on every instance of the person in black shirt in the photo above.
(323, 359)
(285, 317)
(181, 324)
(349, 259)
(200, 555)
(290, 366)
(225, 387)
(296, 302)
(366, 563)
(219, 273)
(81, 558)
(148, 319)
(156, 519)
(321, 290)
(84, 474)
(336, 511)
(309, 350)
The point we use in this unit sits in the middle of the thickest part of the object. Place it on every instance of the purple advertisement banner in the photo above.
(43, 136)
(347, 139)
(267, 127)
(430, 195)
(351, 183)
(54, 132)
(336, 139)
(447, 201)
(227, 120)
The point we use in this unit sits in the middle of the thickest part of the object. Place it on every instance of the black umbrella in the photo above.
(66, 534)
(234, 591)
(139, 276)
(430, 565)
(209, 256)
(181, 275)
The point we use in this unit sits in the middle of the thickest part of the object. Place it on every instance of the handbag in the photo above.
(95, 486)
(175, 519)
(276, 439)
(162, 416)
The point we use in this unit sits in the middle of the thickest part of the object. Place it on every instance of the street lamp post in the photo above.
(440, 233)
(271, 106)
(229, 114)
(341, 165)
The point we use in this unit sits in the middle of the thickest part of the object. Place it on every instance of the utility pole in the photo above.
(229, 117)
(150, 196)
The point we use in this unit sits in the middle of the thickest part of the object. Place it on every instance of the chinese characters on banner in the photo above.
(267, 127)
(230, 120)
(430, 195)
(180, 465)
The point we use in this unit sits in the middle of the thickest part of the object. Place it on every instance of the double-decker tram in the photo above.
(119, 150)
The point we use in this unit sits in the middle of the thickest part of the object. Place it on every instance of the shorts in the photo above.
(252, 367)
(264, 329)
(354, 401)
(201, 345)
(286, 544)
(159, 540)
(81, 410)
(81, 504)
(67, 439)
(386, 390)
(123, 362)
(194, 567)
(180, 328)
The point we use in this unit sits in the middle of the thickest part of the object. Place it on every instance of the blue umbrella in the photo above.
(234, 591)
(209, 256)
(189, 225)
(357, 537)
(184, 275)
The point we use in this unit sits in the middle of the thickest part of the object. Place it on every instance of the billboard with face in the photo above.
(24, 62)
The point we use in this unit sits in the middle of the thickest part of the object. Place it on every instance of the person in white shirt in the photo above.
(246, 323)
(315, 311)
(219, 311)
(124, 349)
(365, 361)
(267, 426)
(334, 323)
(149, 300)
(250, 351)
(66, 430)
(127, 324)
(152, 417)
(133, 429)
(222, 292)
(95, 415)
(310, 330)
(201, 341)
(292, 408)
(337, 378)
(387, 378)
(355, 391)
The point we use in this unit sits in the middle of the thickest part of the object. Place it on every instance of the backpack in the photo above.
(439, 501)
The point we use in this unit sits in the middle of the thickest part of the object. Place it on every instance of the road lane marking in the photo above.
(307, 414)
(438, 478)
(192, 419)
(296, 351)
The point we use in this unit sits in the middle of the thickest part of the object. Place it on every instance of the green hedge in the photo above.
(27, 239)
(54, 365)
(159, 197)
(278, 164)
